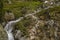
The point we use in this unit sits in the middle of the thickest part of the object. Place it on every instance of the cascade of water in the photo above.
(8, 28)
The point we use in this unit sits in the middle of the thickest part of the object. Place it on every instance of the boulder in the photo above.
(9, 16)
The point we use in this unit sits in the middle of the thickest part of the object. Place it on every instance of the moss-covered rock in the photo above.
(3, 35)
(9, 16)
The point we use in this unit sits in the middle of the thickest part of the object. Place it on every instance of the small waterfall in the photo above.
(9, 27)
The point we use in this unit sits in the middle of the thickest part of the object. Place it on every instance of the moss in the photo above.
(23, 26)
(3, 35)
(16, 7)
(20, 4)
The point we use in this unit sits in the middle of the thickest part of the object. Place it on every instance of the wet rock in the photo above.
(18, 34)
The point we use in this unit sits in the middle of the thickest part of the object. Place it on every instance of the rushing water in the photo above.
(9, 26)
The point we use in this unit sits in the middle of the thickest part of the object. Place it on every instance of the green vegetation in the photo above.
(19, 8)
(1, 10)
(3, 35)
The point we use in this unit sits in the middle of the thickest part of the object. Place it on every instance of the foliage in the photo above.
(3, 35)
(21, 8)
(16, 7)
(1, 10)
